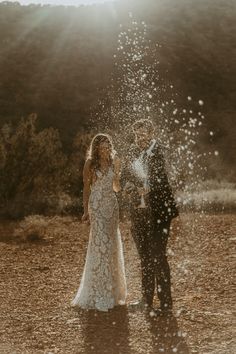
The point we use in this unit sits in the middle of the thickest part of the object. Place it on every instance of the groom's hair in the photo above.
(143, 123)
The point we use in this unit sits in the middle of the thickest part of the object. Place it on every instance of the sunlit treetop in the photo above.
(60, 2)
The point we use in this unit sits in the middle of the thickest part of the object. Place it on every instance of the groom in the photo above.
(150, 225)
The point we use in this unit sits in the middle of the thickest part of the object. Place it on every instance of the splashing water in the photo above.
(138, 91)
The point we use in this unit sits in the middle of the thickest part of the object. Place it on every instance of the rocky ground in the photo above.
(38, 280)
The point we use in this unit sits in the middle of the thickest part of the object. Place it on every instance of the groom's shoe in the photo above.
(166, 310)
(141, 305)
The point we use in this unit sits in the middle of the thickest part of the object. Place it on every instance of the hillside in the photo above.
(59, 61)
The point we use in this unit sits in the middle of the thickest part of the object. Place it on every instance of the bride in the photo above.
(103, 283)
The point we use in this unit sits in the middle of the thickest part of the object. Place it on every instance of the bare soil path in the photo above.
(38, 281)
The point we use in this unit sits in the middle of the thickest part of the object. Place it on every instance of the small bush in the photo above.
(211, 196)
(32, 228)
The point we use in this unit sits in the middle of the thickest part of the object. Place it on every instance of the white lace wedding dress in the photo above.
(103, 283)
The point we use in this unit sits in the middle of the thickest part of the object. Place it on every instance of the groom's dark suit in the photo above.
(150, 226)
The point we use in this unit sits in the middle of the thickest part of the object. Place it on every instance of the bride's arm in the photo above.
(87, 180)
(116, 178)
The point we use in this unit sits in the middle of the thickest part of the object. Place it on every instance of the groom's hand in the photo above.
(143, 191)
(129, 188)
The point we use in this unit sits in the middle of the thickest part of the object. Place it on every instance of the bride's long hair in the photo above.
(93, 153)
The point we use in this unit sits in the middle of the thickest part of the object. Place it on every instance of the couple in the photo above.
(152, 207)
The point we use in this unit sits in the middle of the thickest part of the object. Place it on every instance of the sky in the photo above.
(58, 2)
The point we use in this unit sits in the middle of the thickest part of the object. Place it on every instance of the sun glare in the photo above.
(61, 2)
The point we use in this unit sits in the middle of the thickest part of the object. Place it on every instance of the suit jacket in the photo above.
(160, 198)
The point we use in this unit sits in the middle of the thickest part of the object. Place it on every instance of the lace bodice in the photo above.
(104, 182)
(102, 197)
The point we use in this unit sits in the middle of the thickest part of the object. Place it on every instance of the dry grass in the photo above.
(32, 227)
(210, 196)
(38, 281)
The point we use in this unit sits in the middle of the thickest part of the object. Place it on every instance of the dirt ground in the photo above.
(39, 279)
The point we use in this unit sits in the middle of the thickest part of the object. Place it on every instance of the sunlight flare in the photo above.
(61, 2)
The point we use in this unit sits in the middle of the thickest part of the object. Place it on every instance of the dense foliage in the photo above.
(36, 176)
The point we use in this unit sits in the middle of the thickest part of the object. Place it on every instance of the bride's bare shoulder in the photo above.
(116, 158)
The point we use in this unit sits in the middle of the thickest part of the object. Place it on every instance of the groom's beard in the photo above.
(142, 144)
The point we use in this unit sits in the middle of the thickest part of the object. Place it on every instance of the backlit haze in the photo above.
(61, 2)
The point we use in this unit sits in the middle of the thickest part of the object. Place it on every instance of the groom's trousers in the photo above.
(151, 241)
